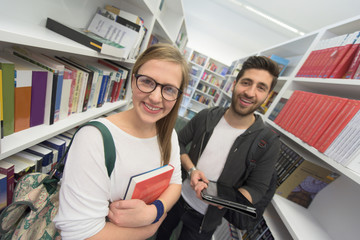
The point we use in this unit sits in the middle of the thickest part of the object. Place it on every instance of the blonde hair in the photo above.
(165, 125)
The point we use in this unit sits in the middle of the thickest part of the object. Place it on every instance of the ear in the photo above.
(233, 85)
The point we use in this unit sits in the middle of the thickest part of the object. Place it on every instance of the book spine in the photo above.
(10, 185)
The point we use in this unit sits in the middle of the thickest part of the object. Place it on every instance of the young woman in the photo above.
(144, 139)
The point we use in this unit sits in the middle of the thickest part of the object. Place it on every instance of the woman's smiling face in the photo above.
(150, 107)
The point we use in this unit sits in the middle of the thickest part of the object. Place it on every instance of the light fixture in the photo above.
(284, 25)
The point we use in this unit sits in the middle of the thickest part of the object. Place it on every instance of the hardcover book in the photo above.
(8, 170)
(8, 90)
(148, 186)
(3, 191)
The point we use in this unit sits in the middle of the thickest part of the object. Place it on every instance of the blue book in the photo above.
(282, 62)
(58, 144)
(3, 191)
(47, 155)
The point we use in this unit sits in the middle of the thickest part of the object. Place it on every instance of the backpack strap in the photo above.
(109, 149)
(258, 147)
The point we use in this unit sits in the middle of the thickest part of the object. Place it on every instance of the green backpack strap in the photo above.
(109, 148)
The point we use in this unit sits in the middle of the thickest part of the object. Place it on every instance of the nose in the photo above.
(155, 95)
(250, 91)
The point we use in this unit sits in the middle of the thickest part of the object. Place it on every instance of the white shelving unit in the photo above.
(205, 77)
(335, 212)
(23, 24)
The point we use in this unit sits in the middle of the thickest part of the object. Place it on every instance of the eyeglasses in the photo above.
(147, 85)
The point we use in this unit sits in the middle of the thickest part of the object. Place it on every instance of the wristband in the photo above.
(191, 170)
(160, 209)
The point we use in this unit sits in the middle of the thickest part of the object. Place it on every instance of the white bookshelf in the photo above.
(334, 213)
(23, 24)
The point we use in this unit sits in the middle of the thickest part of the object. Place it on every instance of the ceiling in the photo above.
(225, 30)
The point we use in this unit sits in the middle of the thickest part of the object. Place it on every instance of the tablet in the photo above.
(229, 198)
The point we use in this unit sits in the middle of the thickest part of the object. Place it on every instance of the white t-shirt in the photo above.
(86, 188)
(212, 161)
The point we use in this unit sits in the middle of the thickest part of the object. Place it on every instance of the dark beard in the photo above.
(240, 113)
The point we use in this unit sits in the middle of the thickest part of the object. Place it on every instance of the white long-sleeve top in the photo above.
(86, 189)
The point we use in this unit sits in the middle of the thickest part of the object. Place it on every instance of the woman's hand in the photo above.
(131, 213)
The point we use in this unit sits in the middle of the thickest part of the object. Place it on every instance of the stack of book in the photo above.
(336, 57)
(317, 119)
(50, 88)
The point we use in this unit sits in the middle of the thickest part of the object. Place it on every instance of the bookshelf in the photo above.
(25, 28)
(206, 83)
(334, 212)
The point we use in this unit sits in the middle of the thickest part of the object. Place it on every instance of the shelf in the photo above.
(21, 140)
(298, 220)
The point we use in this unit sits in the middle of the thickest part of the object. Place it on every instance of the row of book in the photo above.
(50, 88)
(298, 179)
(206, 89)
(222, 70)
(38, 158)
(260, 232)
(337, 57)
(210, 78)
(198, 58)
(328, 123)
(201, 98)
(111, 31)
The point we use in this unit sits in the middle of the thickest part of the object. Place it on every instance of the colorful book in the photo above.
(66, 94)
(87, 39)
(8, 93)
(148, 186)
(39, 79)
(8, 170)
(58, 73)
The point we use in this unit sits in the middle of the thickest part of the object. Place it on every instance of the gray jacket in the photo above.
(198, 132)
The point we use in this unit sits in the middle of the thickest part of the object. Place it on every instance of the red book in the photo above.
(303, 106)
(313, 108)
(346, 61)
(337, 55)
(148, 186)
(337, 125)
(306, 110)
(322, 58)
(284, 111)
(305, 69)
(354, 64)
(7, 169)
(326, 113)
(292, 113)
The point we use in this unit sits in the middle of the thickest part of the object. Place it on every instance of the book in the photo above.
(337, 125)
(21, 166)
(3, 191)
(32, 157)
(58, 144)
(103, 79)
(87, 39)
(1, 110)
(125, 75)
(123, 17)
(307, 180)
(350, 72)
(228, 197)
(8, 170)
(46, 154)
(66, 94)
(116, 29)
(22, 108)
(282, 63)
(57, 71)
(148, 186)
(39, 79)
(344, 64)
(8, 93)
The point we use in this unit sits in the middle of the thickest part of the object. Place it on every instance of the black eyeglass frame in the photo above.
(157, 84)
